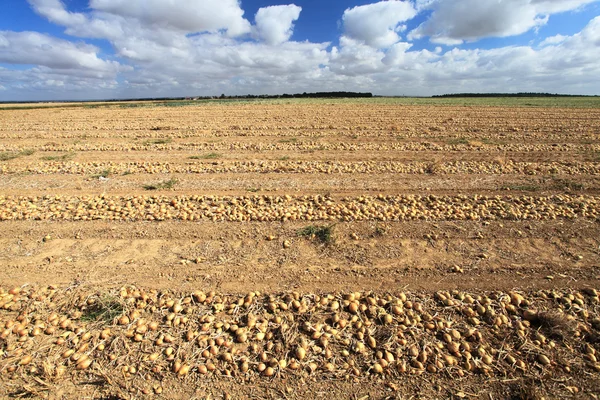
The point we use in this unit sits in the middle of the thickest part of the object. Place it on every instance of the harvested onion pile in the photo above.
(292, 208)
(307, 167)
(136, 334)
(307, 146)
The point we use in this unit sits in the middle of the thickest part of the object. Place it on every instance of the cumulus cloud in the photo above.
(562, 67)
(553, 40)
(38, 49)
(78, 24)
(43, 83)
(274, 24)
(183, 15)
(354, 58)
(144, 32)
(180, 15)
(453, 22)
(173, 57)
(56, 12)
(377, 24)
(175, 43)
(61, 69)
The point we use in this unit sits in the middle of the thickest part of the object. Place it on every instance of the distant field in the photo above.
(568, 102)
(576, 102)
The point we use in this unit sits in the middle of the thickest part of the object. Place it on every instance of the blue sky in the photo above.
(95, 49)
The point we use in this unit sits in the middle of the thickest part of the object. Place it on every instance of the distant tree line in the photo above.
(301, 95)
(520, 94)
(264, 96)
(223, 96)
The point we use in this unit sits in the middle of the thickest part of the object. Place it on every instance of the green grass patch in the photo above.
(104, 174)
(323, 233)
(162, 185)
(209, 156)
(106, 308)
(158, 141)
(62, 157)
(290, 140)
(456, 141)
(566, 184)
(8, 155)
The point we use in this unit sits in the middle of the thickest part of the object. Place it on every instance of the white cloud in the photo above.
(148, 30)
(169, 60)
(217, 64)
(453, 22)
(355, 58)
(42, 83)
(62, 69)
(274, 24)
(377, 24)
(38, 49)
(157, 40)
(424, 4)
(553, 40)
(566, 67)
(556, 6)
(118, 19)
(55, 11)
(78, 24)
(183, 15)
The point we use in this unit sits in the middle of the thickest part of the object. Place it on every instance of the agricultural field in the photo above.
(295, 249)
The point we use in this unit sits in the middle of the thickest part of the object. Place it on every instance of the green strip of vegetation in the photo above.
(62, 157)
(209, 156)
(8, 155)
(104, 174)
(322, 233)
(158, 141)
(162, 185)
(106, 309)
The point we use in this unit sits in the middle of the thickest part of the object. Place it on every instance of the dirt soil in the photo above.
(298, 206)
